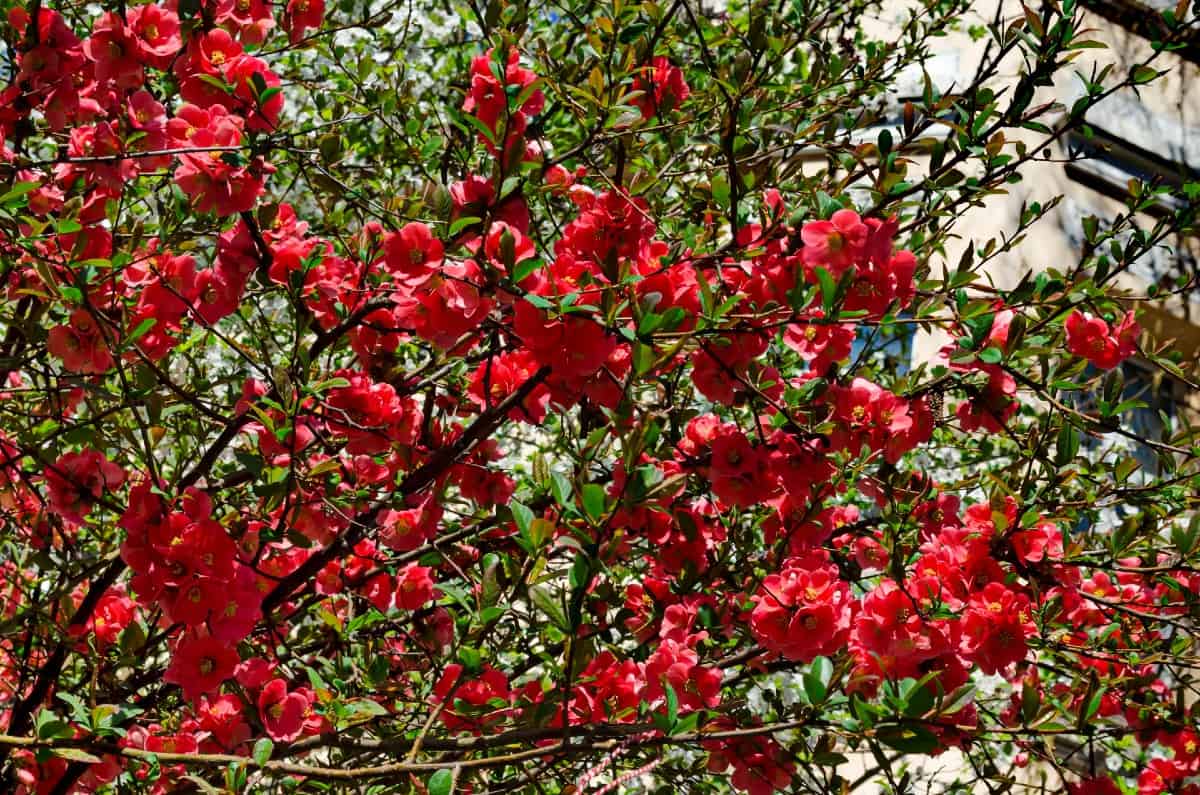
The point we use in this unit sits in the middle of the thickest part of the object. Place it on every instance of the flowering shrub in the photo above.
(497, 404)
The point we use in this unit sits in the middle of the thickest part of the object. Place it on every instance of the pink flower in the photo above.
(199, 664)
(76, 480)
(302, 15)
(414, 587)
(283, 714)
(1091, 338)
(663, 88)
(836, 244)
(80, 345)
(157, 31)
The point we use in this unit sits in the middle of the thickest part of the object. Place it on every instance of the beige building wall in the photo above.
(1156, 129)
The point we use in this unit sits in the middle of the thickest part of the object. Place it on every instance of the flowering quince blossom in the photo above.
(1105, 347)
(77, 480)
(283, 713)
(462, 411)
(662, 88)
(80, 344)
(803, 612)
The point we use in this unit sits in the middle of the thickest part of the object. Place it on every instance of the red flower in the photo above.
(995, 627)
(1102, 785)
(371, 415)
(260, 110)
(1043, 542)
(818, 343)
(574, 346)
(738, 470)
(836, 244)
(760, 765)
(487, 97)
(113, 613)
(221, 716)
(80, 345)
(199, 664)
(1091, 338)
(472, 700)
(414, 587)
(662, 88)
(217, 181)
(157, 30)
(500, 376)
(674, 663)
(802, 612)
(283, 714)
(413, 253)
(302, 15)
(76, 480)
(116, 51)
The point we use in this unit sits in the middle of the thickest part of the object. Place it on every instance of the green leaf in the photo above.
(79, 710)
(720, 190)
(991, 355)
(643, 358)
(594, 500)
(485, 131)
(141, 329)
(546, 601)
(462, 223)
(560, 487)
(1143, 74)
(17, 191)
(77, 755)
(1067, 445)
(48, 726)
(215, 82)
(817, 678)
(522, 516)
(908, 739)
(526, 267)
(581, 573)
(263, 750)
(828, 290)
(672, 704)
(441, 783)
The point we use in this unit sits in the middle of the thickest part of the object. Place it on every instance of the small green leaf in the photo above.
(1143, 74)
(817, 678)
(1067, 445)
(263, 750)
(441, 783)
(17, 191)
(560, 487)
(141, 329)
(547, 602)
(581, 573)
(672, 704)
(77, 755)
(991, 355)
(594, 500)
(908, 739)
(522, 516)
(462, 223)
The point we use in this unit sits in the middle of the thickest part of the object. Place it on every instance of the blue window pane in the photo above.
(893, 343)
(1146, 422)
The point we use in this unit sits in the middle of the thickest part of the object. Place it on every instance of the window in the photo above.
(1143, 18)
(1125, 140)
(894, 343)
(1159, 264)
(1156, 399)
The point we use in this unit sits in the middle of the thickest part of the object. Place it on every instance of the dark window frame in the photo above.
(1144, 20)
